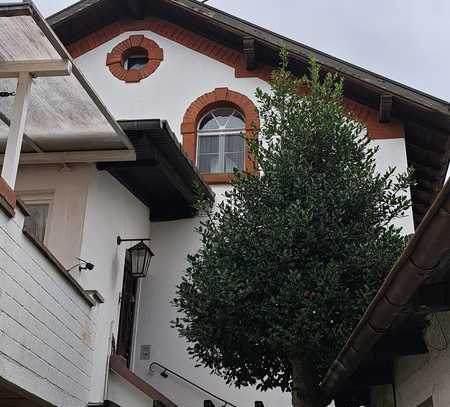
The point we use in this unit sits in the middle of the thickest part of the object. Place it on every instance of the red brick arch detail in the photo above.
(228, 56)
(116, 58)
(217, 98)
(369, 117)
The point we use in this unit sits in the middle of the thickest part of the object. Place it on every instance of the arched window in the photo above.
(221, 143)
(214, 129)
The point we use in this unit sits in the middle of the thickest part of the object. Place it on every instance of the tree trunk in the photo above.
(305, 390)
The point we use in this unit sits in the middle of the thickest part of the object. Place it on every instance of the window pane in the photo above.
(234, 160)
(208, 163)
(208, 123)
(36, 223)
(222, 115)
(136, 62)
(208, 144)
(234, 143)
(236, 122)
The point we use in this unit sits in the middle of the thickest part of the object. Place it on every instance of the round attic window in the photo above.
(134, 59)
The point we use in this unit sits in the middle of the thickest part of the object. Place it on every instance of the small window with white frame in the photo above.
(220, 141)
(39, 206)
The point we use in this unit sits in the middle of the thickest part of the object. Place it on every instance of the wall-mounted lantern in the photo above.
(140, 255)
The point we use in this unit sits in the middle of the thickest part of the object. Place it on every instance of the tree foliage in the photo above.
(291, 258)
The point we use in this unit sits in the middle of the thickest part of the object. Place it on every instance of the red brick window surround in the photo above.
(218, 98)
(139, 45)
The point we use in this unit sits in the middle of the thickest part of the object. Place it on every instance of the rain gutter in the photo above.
(425, 252)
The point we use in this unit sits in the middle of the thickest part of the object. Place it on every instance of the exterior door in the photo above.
(127, 312)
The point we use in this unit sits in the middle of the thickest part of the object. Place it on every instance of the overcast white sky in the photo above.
(405, 40)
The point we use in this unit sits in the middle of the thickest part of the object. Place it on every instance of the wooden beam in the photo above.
(385, 108)
(155, 159)
(73, 157)
(41, 68)
(250, 53)
(16, 129)
(425, 157)
(421, 196)
(136, 8)
(434, 297)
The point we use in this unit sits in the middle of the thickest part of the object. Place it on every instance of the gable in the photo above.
(250, 51)
(183, 75)
(220, 53)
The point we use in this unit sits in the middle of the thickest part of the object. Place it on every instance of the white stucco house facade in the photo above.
(153, 98)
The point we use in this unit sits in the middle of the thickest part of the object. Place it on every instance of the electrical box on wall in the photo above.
(145, 352)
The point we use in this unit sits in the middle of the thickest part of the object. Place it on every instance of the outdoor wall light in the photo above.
(140, 256)
(5, 94)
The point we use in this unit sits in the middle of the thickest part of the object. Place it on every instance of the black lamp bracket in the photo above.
(120, 240)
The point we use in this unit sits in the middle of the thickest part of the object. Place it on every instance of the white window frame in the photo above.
(221, 133)
(40, 198)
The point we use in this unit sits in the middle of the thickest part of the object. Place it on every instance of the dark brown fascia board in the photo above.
(163, 127)
(297, 50)
(117, 365)
(424, 253)
(70, 11)
(304, 53)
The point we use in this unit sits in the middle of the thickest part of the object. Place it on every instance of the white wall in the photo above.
(172, 241)
(111, 211)
(68, 185)
(392, 153)
(183, 76)
(419, 377)
(422, 376)
(46, 328)
(124, 394)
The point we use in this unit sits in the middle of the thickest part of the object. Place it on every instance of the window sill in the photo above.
(217, 179)
(222, 178)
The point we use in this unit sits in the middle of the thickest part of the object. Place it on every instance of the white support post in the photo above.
(16, 129)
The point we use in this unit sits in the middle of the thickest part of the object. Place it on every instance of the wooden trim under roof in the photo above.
(425, 118)
(162, 177)
(206, 18)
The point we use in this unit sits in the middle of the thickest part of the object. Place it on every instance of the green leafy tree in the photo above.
(291, 258)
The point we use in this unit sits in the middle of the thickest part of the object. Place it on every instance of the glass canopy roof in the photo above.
(64, 113)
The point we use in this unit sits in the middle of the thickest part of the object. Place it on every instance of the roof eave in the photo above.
(298, 51)
(421, 257)
(162, 177)
(305, 53)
